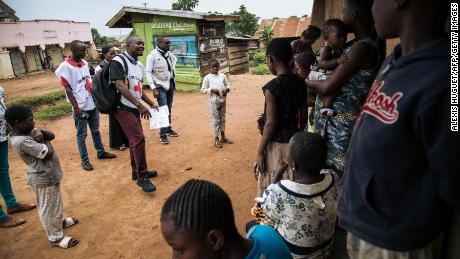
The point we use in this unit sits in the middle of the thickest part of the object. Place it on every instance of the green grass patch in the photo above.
(261, 69)
(53, 112)
(44, 99)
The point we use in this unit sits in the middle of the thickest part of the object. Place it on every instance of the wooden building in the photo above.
(238, 48)
(195, 39)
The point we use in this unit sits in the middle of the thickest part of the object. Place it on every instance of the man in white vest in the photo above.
(75, 77)
(161, 77)
(131, 107)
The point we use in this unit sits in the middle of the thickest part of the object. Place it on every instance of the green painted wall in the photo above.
(187, 77)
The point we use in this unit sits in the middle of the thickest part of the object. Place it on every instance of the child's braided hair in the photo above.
(200, 206)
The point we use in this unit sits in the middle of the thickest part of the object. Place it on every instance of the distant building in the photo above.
(28, 46)
(288, 28)
(7, 14)
(195, 38)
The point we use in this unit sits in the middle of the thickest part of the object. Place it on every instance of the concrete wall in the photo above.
(6, 69)
(45, 32)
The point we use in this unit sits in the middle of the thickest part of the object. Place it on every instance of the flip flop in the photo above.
(218, 144)
(10, 221)
(65, 242)
(20, 207)
(226, 141)
(69, 221)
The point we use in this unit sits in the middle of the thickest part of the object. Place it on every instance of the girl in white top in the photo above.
(217, 86)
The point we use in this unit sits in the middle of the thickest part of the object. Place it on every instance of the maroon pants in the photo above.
(130, 122)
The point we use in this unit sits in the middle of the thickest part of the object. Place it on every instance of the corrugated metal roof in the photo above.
(285, 27)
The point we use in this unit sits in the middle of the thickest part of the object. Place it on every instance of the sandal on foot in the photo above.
(218, 144)
(65, 242)
(10, 221)
(20, 207)
(226, 141)
(69, 221)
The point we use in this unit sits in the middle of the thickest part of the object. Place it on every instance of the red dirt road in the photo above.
(117, 219)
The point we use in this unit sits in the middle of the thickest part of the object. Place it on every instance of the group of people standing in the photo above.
(34, 146)
(126, 72)
(379, 162)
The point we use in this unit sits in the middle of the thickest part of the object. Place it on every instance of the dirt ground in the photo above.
(117, 219)
(28, 85)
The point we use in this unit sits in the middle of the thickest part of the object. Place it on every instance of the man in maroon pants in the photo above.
(130, 109)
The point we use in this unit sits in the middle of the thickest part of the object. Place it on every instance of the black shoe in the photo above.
(87, 166)
(173, 134)
(150, 174)
(146, 185)
(106, 155)
(164, 140)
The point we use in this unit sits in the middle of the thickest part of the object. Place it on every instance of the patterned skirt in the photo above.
(276, 154)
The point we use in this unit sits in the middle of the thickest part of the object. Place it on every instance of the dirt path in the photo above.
(30, 85)
(117, 219)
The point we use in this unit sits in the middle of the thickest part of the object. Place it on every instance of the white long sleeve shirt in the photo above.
(156, 70)
(215, 82)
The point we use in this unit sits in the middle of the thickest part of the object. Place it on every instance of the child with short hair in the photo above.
(302, 65)
(335, 36)
(216, 85)
(197, 221)
(303, 210)
(44, 172)
(307, 38)
(285, 113)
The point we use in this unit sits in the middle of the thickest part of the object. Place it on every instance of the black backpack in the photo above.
(104, 92)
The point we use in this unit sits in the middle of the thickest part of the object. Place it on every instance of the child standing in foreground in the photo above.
(285, 113)
(303, 210)
(44, 172)
(197, 221)
(335, 35)
(217, 86)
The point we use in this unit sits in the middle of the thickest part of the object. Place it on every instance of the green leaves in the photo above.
(185, 5)
(245, 23)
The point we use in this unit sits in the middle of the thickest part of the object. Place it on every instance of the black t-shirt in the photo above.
(116, 71)
(290, 91)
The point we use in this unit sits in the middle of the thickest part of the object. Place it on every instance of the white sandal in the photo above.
(65, 242)
(69, 221)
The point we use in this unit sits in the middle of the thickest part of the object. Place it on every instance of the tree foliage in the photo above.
(98, 39)
(266, 35)
(185, 5)
(245, 23)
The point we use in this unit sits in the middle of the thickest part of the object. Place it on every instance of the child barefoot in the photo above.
(197, 221)
(44, 172)
(217, 86)
(303, 211)
(329, 58)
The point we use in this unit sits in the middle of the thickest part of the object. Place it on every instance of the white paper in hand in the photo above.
(160, 117)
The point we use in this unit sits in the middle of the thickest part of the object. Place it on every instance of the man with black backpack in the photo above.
(127, 72)
(75, 77)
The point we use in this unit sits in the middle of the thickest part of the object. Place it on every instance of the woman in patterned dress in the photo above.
(351, 80)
